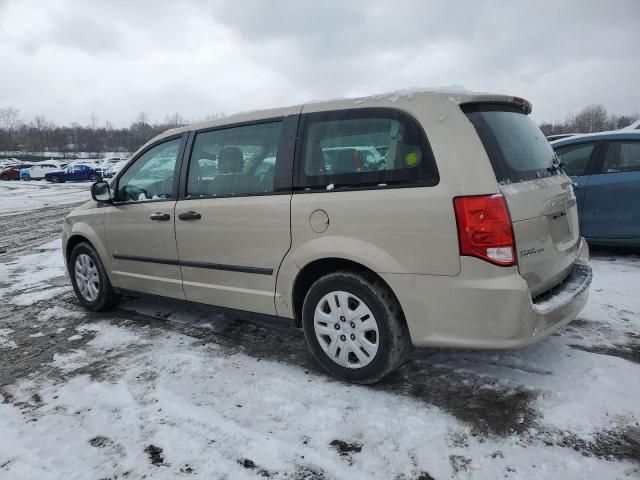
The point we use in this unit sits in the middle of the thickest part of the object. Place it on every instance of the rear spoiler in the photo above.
(517, 102)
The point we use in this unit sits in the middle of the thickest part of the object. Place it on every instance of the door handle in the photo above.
(190, 215)
(162, 217)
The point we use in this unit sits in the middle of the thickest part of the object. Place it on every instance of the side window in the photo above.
(367, 147)
(622, 157)
(151, 176)
(234, 161)
(575, 158)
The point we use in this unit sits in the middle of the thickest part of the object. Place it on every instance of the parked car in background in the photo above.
(465, 236)
(8, 162)
(38, 170)
(634, 126)
(110, 161)
(558, 136)
(13, 172)
(114, 168)
(74, 173)
(605, 168)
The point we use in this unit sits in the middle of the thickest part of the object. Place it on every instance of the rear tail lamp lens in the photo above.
(484, 229)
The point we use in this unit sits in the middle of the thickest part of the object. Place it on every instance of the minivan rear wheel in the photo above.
(89, 279)
(354, 327)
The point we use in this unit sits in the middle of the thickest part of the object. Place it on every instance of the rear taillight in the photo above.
(484, 229)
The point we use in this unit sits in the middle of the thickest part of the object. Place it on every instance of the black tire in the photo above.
(4, 177)
(94, 177)
(394, 339)
(107, 298)
(55, 179)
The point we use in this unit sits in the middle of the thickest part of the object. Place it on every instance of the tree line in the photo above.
(40, 135)
(591, 119)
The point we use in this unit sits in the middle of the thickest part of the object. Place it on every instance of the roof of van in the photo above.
(457, 95)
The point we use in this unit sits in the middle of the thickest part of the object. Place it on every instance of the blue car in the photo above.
(605, 168)
(74, 173)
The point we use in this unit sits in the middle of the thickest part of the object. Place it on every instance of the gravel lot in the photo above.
(162, 389)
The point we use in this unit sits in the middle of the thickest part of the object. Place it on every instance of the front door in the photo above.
(140, 223)
(233, 224)
(73, 173)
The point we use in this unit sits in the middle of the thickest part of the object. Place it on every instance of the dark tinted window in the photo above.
(234, 161)
(575, 157)
(622, 157)
(362, 148)
(518, 150)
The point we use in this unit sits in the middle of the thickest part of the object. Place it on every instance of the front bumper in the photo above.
(487, 308)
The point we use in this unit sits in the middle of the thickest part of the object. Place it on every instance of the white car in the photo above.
(7, 162)
(113, 168)
(634, 126)
(37, 171)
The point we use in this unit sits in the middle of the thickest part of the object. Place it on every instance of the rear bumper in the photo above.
(487, 307)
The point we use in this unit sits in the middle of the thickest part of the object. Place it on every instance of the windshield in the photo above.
(518, 150)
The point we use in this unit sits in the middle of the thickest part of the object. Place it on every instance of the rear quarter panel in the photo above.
(394, 230)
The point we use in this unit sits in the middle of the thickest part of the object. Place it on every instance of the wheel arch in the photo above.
(316, 269)
(82, 232)
(74, 240)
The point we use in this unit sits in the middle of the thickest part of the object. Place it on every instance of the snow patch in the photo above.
(29, 298)
(5, 343)
(57, 312)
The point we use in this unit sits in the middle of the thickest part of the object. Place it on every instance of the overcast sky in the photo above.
(66, 60)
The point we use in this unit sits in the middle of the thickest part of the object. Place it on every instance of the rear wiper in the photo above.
(556, 167)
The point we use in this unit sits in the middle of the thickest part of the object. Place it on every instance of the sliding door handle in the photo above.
(190, 215)
(162, 217)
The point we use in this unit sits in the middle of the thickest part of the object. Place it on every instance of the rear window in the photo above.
(516, 147)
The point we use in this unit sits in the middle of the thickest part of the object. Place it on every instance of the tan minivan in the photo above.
(375, 224)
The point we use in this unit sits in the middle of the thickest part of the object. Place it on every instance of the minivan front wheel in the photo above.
(354, 327)
(89, 279)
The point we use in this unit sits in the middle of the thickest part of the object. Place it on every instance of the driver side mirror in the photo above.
(101, 192)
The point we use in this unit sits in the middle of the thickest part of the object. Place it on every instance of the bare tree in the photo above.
(174, 120)
(142, 119)
(9, 122)
(592, 118)
(93, 121)
(42, 128)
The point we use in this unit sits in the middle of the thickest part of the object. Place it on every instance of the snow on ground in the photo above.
(160, 389)
(20, 196)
